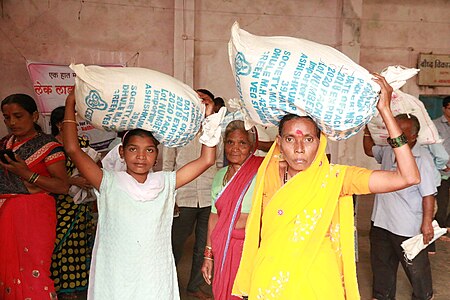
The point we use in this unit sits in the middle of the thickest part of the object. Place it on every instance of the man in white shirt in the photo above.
(193, 204)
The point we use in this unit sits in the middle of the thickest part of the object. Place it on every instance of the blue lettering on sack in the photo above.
(242, 66)
(94, 101)
(260, 65)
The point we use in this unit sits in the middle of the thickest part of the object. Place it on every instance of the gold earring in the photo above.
(280, 157)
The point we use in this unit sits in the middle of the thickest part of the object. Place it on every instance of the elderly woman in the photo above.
(299, 235)
(232, 191)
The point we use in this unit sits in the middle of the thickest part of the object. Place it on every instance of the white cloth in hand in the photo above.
(396, 76)
(414, 245)
(212, 130)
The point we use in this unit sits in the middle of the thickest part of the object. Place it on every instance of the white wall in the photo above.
(136, 33)
(374, 33)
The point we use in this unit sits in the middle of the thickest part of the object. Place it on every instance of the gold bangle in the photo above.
(30, 180)
(367, 134)
(208, 247)
(70, 121)
(209, 258)
(33, 178)
(37, 177)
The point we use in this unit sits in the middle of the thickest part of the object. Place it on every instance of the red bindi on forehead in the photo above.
(299, 132)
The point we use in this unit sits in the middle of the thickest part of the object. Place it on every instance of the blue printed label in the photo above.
(278, 82)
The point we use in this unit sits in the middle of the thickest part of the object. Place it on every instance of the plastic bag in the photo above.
(127, 98)
(403, 103)
(279, 75)
(413, 246)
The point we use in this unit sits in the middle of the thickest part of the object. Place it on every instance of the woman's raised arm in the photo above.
(207, 158)
(85, 165)
(407, 173)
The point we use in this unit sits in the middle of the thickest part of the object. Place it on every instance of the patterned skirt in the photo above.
(74, 239)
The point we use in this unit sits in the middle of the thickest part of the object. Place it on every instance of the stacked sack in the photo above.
(118, 99)
(279, 75)
(403, 103)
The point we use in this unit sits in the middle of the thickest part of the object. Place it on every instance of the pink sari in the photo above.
(226, 241)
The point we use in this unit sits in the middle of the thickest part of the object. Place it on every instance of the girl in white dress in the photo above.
(132, 256)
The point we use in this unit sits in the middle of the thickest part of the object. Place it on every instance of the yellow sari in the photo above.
(302, 247)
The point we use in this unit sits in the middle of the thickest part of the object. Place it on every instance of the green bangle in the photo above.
(398, 141)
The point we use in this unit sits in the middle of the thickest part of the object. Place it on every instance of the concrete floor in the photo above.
(440, 262)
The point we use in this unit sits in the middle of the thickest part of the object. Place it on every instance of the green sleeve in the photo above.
(216, 187)
(247, 201)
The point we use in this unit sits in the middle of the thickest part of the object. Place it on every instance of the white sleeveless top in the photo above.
(132, 256)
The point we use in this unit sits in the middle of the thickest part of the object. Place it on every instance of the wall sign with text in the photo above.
(434, 69)
(52, 83)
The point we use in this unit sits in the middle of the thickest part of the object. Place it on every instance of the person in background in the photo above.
(193, 203)
(72, 253)
(443, 203)
(299, 233)
(218, 104)
(132, 256)
(112, 160)
(27, 210)
(440, 160)
(231, 192)
(266, 137)
(399, 215)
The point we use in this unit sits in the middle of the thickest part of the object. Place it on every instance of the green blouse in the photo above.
(217, 186)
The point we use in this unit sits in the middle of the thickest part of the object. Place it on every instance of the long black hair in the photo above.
(57, 116)
(24, 101)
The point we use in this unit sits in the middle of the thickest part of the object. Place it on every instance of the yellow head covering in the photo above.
(284, 246)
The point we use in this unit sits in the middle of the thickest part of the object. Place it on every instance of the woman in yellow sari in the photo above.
(299, 234)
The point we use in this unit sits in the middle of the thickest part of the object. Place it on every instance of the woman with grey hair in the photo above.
(231, 193)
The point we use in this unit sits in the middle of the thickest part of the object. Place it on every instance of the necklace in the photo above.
(285, 178)
(225, 180)
(228, 174)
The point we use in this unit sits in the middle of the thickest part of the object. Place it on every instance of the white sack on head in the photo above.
(403, 103)
(128, 98)
(279, 75)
